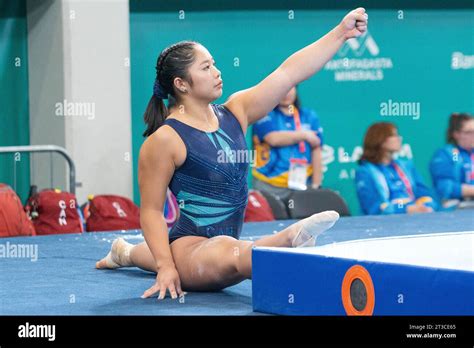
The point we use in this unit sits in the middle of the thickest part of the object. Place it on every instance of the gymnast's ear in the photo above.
(155, 115)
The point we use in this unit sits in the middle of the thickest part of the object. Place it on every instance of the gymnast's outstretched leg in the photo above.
(206, 264)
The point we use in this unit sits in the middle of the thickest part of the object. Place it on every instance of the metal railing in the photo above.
(50, 149)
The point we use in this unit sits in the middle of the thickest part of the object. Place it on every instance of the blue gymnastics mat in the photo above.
(63, 280)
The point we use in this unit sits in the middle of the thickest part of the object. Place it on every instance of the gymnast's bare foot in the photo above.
(305, 232)
(119, 255)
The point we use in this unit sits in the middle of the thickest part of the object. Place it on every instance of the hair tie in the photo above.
(158, 91)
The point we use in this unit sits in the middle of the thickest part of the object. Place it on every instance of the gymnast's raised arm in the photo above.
(251, 104)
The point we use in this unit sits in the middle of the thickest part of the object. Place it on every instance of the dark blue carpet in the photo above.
(63, 280)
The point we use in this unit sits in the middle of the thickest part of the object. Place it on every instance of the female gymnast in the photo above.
(193, 148)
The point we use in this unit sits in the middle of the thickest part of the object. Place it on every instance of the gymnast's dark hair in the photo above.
(456, 122)
(172, 62)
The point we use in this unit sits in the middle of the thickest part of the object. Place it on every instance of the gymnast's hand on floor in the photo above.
(166, 279)
(354, 24)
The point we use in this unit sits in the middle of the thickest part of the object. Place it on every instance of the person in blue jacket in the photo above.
(386, 185)
(288, 133)
(452, 166)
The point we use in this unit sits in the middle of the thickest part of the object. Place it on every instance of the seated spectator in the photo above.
(288, 142)
(386, 185)
(452, 166)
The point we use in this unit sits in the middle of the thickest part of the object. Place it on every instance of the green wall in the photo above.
(418, 50)
(14, 115)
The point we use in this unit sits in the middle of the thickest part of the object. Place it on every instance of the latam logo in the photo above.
(358, 60)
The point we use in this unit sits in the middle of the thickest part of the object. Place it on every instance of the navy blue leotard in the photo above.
(211, 185)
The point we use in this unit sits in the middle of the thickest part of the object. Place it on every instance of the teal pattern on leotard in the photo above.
(211, 185)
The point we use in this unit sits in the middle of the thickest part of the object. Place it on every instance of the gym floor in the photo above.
(62, 279)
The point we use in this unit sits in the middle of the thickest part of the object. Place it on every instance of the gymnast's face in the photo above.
(207, 82)
(465, 137)
(289, 98)
(393, 143)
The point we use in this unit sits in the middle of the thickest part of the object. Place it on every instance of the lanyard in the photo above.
(296, 116)
(405, 180)
(472, 166)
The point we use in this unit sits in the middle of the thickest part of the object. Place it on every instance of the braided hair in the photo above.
(174, 61)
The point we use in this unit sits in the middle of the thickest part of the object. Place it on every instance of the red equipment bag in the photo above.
(258, 208)
(54, 212)
(13, 220)
(111, 213)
